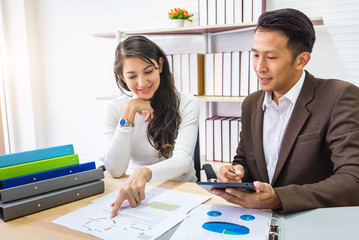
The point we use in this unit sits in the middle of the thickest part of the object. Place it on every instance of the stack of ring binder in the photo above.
(36, 180)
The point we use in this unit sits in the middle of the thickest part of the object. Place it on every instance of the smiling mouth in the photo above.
(145, 90)
(264, 80)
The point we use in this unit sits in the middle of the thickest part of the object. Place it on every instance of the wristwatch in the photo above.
(125, 123)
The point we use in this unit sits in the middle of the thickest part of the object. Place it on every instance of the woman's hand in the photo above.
(137, 105)
(134, 189)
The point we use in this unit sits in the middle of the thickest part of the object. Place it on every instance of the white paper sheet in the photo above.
(161, 210)
(213, 222)
(150, 193)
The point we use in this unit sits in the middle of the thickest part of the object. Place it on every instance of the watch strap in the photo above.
(125, 123)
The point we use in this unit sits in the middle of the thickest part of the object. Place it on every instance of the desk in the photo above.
(39, 226)
(326, 223)
(322, 223)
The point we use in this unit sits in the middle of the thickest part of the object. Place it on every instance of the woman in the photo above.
(152, 133)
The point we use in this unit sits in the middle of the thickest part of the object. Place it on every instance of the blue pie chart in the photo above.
(247, 217)
(226, 228)
(214, 213)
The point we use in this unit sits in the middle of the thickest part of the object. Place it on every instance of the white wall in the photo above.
(70, 67)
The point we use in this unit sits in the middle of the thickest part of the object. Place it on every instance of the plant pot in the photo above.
(178, 22)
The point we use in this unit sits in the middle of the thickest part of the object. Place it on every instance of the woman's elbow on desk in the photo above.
(114, 171)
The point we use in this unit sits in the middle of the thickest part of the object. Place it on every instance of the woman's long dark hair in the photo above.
(162, 129)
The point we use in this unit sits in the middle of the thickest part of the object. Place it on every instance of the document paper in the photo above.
(213, 222)
(160, 211)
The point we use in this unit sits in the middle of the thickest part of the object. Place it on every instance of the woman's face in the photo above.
(142, 78)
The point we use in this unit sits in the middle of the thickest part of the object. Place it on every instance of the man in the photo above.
(300, 134)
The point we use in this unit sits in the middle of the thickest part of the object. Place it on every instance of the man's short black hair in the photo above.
(295, 25)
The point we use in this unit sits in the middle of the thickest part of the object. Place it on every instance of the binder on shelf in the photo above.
(221, 12)
(44, 175)
(247, 11)
(217, 136)
(244, 80)
(209, 74)
(238, 13)
(226, 139)
(236, 66)
(203, 13)
(209, 125)
(236, 127)
(253, 80)
(229, 11)
(218, 74)
(19, 208)
(176, 61)
(185, 73)
(196, 78)
(38, 166)
(33, 189)
(212, 12)
(259, 7)
(35, 155)
(169, 58)
(227, 74)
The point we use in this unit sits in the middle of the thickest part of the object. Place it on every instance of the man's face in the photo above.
(273, 63)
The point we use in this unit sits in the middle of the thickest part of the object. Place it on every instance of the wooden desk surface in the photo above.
(39, 226)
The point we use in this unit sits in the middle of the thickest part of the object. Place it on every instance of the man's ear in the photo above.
(160, 64)
(302, 60)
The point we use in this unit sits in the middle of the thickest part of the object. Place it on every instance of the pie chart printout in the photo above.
(214, 213)
(212, 222)
(247, 217)
(226, 228)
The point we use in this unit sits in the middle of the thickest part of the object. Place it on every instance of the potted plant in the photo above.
(179, 16)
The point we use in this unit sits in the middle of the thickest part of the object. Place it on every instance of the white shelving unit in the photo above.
(207, 32)
(195, 29)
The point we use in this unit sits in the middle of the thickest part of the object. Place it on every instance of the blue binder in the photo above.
(35, 155)
(40, 176)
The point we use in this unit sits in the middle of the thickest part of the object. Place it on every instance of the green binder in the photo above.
(38, 166)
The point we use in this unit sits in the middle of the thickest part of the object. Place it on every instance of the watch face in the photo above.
(123, 122)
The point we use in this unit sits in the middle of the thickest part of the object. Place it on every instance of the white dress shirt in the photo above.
(275, 122)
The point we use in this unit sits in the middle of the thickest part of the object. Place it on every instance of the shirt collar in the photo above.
(292, 94)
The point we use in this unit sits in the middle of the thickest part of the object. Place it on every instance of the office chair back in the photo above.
(197, 160)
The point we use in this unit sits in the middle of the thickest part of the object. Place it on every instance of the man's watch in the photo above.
(125, 123)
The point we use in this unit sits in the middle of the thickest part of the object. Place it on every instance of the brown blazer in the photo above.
(318, 164)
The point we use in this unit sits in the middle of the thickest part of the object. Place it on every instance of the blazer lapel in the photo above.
(299, 117)
(257, 133)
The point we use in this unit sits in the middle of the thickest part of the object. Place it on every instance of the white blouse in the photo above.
(129, 148)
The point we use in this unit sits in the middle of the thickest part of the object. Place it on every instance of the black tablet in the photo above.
(244, 186)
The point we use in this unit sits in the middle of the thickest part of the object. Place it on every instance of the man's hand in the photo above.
(231, 173)
(264, 198)
(133, 191)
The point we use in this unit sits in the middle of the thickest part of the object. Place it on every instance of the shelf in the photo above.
(220, 99)
(196, 29)
(215, 164)
(200, 98)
